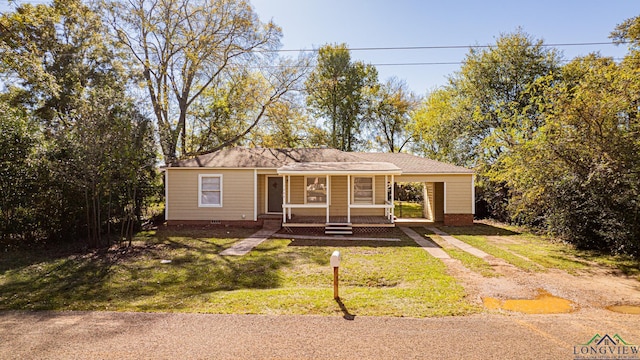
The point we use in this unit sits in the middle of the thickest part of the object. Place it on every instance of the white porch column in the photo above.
(328, 197)
(444, 192)
(284, 200)
(473, 194)
(348, 198)
(255, 194)
(393, 205)
(386, 195)
(288, 194)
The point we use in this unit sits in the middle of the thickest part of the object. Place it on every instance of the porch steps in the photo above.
(338, 229)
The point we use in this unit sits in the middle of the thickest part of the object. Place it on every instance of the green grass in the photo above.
(473, 263)
(404, 209)
(281, 276)
(504, 241)
(469, 261)
(483, 244)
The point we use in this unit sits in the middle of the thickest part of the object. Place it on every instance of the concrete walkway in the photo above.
(430, 247)
(457, 243)
(246, 245)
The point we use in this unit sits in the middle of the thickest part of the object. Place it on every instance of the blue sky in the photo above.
(308, 24)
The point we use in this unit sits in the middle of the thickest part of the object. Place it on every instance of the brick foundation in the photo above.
(458, 219)
(217, 223)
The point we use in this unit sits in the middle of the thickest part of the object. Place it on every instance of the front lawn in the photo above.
(533, 252)
(281, 276)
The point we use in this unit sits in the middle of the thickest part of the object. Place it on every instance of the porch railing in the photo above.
(286, 209)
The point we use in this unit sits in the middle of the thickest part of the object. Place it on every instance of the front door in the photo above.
(274, 194)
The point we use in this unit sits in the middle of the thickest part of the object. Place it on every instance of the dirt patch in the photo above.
(543, 303)
(598, 287)
(625, 309)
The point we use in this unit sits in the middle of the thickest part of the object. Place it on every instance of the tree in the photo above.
(92, 152)
(495, 87)
(390, 115)
(18, 176)
(287, 125)
(440, 128)
(490, 111)
(578, 177)
(339, 91)
(184, 50)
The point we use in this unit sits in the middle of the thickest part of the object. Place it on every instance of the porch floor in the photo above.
(320, 221)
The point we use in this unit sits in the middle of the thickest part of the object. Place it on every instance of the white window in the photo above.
(363, 190)
(210, 190)
(316, 190)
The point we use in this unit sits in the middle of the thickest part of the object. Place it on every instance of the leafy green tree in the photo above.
(487, 110)
(94, 150)
(441, 130)
(339, 91)
(578, 176)
(495, 86)
(287, 125)
(18, 175)
(390, 119)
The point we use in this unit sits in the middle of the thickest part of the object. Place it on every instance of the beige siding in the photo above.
(438, 199)
(262, 194)
(429, 209)
(237, 195)
(458, 190)
(380, 190)
(297, 197)
(338, 205)
(296, 190)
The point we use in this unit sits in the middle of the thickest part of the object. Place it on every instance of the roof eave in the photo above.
(338, 172)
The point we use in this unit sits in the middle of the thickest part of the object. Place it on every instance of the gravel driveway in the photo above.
(112, 335)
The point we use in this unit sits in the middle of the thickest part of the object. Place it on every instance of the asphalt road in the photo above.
(112, 335)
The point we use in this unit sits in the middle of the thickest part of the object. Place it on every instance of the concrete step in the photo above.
(338, 232)
(338, 229)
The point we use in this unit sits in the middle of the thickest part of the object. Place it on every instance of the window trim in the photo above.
(373, 190)
(200, 177)
(326, 186)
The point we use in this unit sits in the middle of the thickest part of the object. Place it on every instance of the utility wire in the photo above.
(445, 47)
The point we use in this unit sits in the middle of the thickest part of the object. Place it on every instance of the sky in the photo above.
(309, 24)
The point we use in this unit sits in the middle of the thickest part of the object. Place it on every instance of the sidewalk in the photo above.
(244, 246)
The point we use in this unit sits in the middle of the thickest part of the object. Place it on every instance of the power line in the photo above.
(457, 63)
(445, 47)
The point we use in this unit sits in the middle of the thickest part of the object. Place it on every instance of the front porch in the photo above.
(321, 221)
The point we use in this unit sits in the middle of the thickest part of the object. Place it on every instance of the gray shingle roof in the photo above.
(411, 164)
(240, 157)
(340, 167)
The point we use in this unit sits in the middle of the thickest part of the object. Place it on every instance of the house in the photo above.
(310, 187)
